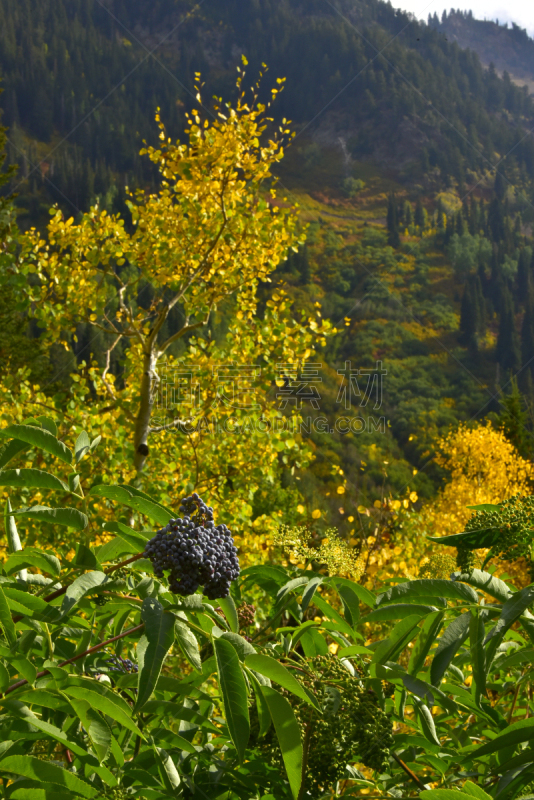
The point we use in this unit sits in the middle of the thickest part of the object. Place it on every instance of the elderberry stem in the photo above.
(63, 589)
(93, 649)
(408, 771)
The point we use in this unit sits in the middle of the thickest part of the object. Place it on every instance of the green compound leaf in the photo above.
(82, 586)
(44, 771)
(82, 446)
(31, 479)
(403, 633)
(6, 620)
(513, 735)
(153, 647)
(107, 703)
(288, 734)
(11, 449)
(449, 644)
(230, 612)
(133, 498)
(38, 437)
(424, 641)
(95, 726)
(272, 669)
(428, 588)
(397, 611)
(234, 693)
(486, 583)
(32, 557)
(68, 517)
(188, 644)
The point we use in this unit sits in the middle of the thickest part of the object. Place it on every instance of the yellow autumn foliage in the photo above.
(485, 468)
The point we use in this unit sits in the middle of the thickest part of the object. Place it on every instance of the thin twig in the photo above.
(408, 771)
(93, 649)
(63, 589)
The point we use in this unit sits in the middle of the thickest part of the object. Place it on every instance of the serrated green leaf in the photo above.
(107, 703)
(262, 708)
(398, 611)
(424, 641)
(426, 721)
(478, 654)
(18, 709)
(510, 612)
(68, 517)
(309, 591)
(44, 771)
(365, 595)
(276, 672)
(188, 644)
(82, 446)
(514, 734)
(403, 632)
(153, 647)
(351, 604)
(9, 450)
(234, 694)
(486, 583)
(38, 437)
(82, 586)
(48, 424)
(230, 612)
(95, 726)
(31, 479)
(475, 790)
(288, 734)
(131, 498)
(167, 770)
(240, 645)
(449, 644)
(428, 588)
(6, 620)
(32, 557)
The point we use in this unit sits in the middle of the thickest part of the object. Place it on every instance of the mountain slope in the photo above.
(510, 49)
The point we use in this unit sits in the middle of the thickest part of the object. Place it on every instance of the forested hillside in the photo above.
(509, 48)
(412, 164)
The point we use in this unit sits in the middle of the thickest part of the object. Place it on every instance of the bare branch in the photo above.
(168, 426)
(185, 329)
(109, 387)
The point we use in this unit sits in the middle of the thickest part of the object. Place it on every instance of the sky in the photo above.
(519, 11)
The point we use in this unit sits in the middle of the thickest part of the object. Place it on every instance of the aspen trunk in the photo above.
(142, 422)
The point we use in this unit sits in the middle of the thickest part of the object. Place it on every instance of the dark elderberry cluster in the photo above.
(351, 728)
(121, 664)
(195, 551)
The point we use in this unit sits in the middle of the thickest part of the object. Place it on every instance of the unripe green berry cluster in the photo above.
(350, 728)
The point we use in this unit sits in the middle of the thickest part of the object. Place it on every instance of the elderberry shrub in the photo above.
(351, 727)
(195, 551)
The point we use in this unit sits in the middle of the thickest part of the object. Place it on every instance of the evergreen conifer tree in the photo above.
(523, 280)
(419, 217)
(393, 222)
(508, 349)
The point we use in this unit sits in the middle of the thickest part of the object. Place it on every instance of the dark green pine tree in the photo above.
(514, 420)
(527, 341)
(523, 280)
(508, 350)
(419, 216)
(472, 313)
(468, 318)
(393, 222)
